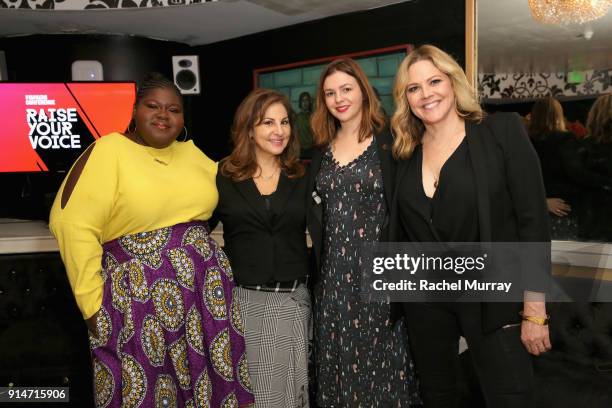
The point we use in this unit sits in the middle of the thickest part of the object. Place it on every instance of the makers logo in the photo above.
(47, 126)
(51, 128)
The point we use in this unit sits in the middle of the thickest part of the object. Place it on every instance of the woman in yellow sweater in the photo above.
(155, 290)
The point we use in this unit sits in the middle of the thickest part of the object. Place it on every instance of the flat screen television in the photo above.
(44, 127)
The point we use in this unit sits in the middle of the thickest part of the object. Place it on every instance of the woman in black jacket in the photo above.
(559, 157)
(262, 205)
(465, 178)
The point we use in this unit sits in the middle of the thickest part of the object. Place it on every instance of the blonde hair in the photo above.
(324, 125)
(241, 164)
(599, 121)
(408, 128)
(546, 118)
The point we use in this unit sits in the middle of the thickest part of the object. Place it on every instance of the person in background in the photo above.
(462, 177)
(154, 288)
(262, 206)
(302, 123)
(360, 359)
(598, 163)
(554, 145)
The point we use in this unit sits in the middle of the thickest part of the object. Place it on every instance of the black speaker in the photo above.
(186, 73)
(3, 71)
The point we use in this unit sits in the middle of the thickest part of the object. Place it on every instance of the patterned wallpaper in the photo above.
(93, 4)
(536, 85)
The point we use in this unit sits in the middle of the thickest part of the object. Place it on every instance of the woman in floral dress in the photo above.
(360, 355)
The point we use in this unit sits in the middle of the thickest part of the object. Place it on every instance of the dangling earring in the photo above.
(132, 122)
(186, 134)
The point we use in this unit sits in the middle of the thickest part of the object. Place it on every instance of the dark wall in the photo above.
(42, 58)
(575, 109)
(227, 67)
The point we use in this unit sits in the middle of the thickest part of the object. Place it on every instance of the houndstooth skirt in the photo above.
(277, 332)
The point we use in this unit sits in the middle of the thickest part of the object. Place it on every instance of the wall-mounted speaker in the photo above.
(3, 71)
(186, 73)
(87, 70)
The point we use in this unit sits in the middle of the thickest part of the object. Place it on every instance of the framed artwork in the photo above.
(299, 82)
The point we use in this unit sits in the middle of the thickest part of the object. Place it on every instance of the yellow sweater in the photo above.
(127, 188)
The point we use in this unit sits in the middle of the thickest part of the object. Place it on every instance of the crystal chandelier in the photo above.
(568, 11)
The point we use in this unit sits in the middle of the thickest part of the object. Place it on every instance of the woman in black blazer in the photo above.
(466, 178)
(262, 205)
(360, 361)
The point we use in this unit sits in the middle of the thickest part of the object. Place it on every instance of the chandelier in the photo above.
(568, 11)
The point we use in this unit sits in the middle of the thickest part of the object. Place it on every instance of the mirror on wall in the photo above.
(557, 75)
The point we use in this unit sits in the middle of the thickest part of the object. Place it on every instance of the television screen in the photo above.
(44, 127)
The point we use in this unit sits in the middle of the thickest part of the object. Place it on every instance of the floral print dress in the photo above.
(361, 361)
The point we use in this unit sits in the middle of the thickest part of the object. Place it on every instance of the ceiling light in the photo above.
(568, 11)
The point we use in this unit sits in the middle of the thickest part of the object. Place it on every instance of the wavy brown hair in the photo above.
(408, 128)
(546, 118)
(241, 164)
(324, 124)
(599, 121)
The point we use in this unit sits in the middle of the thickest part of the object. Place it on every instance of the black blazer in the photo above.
(264, 246)
(384, 142)
(510, 195)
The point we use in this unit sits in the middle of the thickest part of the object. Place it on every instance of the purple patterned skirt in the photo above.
(169, 333)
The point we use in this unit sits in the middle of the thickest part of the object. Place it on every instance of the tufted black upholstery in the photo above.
(43, 339)
(577, 372)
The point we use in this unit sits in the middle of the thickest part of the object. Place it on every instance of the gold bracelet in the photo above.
(542, 321)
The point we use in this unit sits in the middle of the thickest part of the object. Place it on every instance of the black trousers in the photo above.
(502, 364)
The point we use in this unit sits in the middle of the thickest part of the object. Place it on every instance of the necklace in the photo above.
(267, 178)
(445, 150)
(160, 156)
